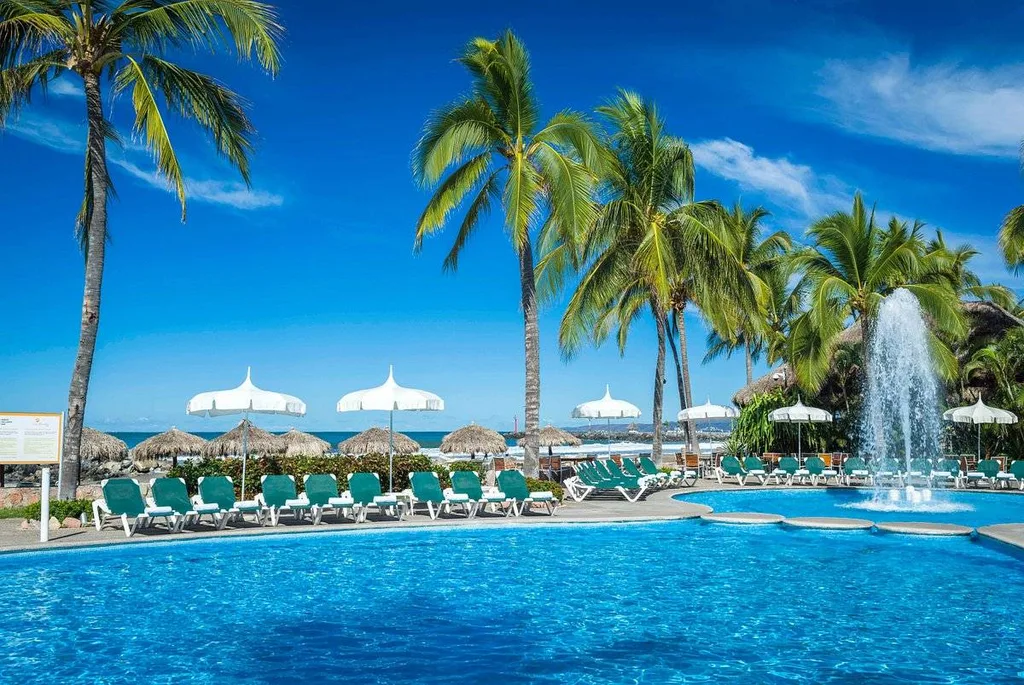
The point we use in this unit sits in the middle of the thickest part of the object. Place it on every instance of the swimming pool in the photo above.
(667, 602)
(966, 508)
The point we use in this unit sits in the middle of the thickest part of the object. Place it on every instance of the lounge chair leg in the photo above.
(127, 530)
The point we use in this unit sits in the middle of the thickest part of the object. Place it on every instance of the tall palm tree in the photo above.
(648, 228)
(490, 146)
(1011, 238)
(850, 266)
(738, 324)
(119, 47)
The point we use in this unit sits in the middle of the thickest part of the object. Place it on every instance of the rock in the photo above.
(71, 522)
(88, 492)
(25, 525)
(54, 524)
(13, 500)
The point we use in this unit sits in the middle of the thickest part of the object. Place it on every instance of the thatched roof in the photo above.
(375, 441)
(168, 445)
(986, 320)
(303, 444)
(230, 444)
(472, 439)
(555, 437)
(100, 447)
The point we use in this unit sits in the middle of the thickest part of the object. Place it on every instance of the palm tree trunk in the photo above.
(95, 242)
(750, 362)
(659, 385)
(531, 337)
(675, 358)
(691, 426)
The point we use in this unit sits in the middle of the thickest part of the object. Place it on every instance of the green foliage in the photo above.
(997, 372)
(475, 465)
(300, 466)
(13, 512)
(538, 485)
(60, 509)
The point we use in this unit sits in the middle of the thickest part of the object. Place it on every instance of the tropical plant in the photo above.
(851, 265)
(491, 147)
(1011, 238)
(121, 47)
(996, 371)
(748, 325)
(648, 234)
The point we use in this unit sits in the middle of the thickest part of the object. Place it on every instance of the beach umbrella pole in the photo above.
(979, 442)
(245, 447)
(799, 443)
(609, 424)
(391, 451)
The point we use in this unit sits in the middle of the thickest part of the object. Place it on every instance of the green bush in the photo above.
(476, 465)
(538, 485)
(13, 513)
(300, 466)
(60, 509)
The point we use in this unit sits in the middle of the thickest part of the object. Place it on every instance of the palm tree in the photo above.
(647, 231)
(852, 264)
(1011, 238)
(492, 147)
(735, 326)
(120, 46)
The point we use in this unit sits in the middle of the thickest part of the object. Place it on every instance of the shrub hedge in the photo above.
(300, 466)
(60, 509)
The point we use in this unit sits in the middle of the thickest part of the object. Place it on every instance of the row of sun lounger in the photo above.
(631, 481)
(169, 501)
(942, 473)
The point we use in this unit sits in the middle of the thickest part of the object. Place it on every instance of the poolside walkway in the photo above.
(658, 506)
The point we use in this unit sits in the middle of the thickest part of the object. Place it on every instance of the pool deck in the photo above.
(658, 506)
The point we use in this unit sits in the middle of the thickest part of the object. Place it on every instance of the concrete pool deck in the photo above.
(658, 506)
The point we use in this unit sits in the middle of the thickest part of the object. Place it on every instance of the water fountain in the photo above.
(902, 418)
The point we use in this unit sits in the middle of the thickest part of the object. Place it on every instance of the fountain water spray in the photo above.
(901, 418)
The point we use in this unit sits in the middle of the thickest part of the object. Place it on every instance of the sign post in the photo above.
(27, 438)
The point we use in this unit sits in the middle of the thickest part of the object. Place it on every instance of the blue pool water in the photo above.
(656, 603)
(967, 508)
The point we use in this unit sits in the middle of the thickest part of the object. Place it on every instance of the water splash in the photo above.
(902, 420)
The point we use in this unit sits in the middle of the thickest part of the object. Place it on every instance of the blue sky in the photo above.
(310, 277)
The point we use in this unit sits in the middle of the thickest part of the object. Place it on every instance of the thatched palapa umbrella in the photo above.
(230, 444)
(97, 446)
(555, 437)
(377, 441)
(169, 445)
(472, 439)
(303, 444)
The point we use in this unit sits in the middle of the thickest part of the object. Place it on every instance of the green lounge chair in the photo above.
(855, 467)
(1015, 474)
(171, 492)
(886, 472)
(365, 490)
(680, 476)
(278, 495)
(468, 483)
(513, 484)
(755, 469)
(322, 491)
(786, 470)
(589, 480)
(426, 489)
(815, 467)
(631, 470)
(627, 483)
(946, 473)
(220, 490)
(919, 472)
(986, 473)
(122, 500)
(730, 468)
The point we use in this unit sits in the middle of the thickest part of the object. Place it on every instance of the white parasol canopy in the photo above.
(606, 408)
(707, 411)
(245, 399)
(979, 413)
(800, 414)
(390, 397)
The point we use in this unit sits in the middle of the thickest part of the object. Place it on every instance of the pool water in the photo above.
(973, 509)
(673, 602)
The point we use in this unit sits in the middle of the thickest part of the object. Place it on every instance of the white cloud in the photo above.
(944, 107)
(68, 137)
(786, 183)
(229, 193)
(62, 87)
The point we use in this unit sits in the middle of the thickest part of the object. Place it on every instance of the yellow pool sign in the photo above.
(27, 438)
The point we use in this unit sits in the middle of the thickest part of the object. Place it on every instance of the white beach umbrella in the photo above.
(606, 408)
(390, 397)
(979, 413)
(707, 411)
(800, 414)
(245, 399)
